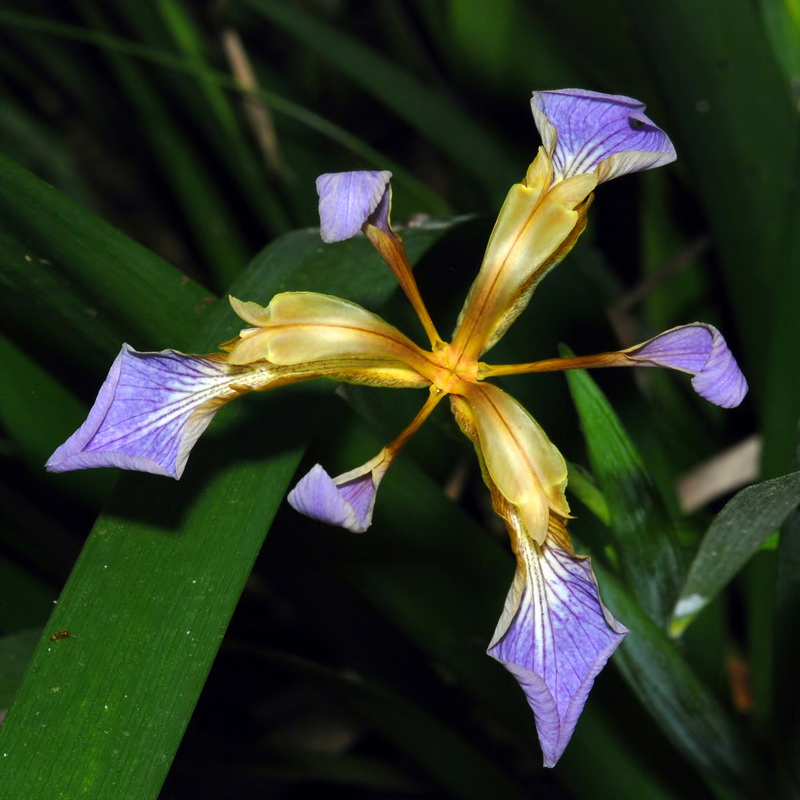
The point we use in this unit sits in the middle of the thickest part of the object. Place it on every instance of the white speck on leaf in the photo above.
(689, 605)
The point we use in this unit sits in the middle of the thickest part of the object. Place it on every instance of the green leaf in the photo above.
(679, 703)
(65, 271)
(15, 653)
(782, 23)
(733, 537)
(582, 485)
(643, 531)
(102, 713)
(787, 656)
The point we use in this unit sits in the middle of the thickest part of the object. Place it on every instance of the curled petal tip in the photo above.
(586, 132)
(346, 501)
(556, 639)
(149, 413)
(700, 350)
(349, 199)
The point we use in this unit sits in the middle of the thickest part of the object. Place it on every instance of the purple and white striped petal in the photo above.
(149, 412)
(555, 635)
(346, 501)
(700, 350)
(349, 199)
(586, 132)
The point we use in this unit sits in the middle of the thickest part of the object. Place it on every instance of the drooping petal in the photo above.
(349, 199)
(700, 350)
(151, 409)
(346, 501)
(587, 132)
(555, 636)
(519, 461)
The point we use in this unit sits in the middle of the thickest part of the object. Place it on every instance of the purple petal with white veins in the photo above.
(700, 350)
(346, 501)
(149, 412)
(587, 131)
(349, 199)
(555, 636)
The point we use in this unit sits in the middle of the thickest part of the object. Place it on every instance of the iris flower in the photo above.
(554, 634)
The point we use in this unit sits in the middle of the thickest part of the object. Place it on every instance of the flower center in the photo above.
(452, 371)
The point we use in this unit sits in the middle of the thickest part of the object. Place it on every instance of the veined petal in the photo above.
(151, 409)
(555, 636)
(700, 350)
(346, 501)
(521, 464)
(535, 229)
(303, 327)
(590, 132)
(349, 199)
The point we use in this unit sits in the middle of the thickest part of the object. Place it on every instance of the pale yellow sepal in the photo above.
(524, 466)
(303, 327)
(535, 229)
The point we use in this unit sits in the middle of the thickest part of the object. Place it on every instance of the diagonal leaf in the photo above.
(643, 532)
(732, 538)
(63, 270)
(150, 598)
(786, 657)
(679, 703)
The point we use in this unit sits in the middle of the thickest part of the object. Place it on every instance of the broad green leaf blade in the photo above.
(787, 656)
(431, 744)
(65, 271)
(679, 703)
(732, 538)
(644, 534)
(153, 591)
(15, 653)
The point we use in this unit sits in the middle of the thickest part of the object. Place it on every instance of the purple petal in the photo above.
(148, 414)
(700, 350)
(555, 636)
(587, 131)
(346, 501)
(349, 199)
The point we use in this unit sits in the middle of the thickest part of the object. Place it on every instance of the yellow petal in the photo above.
(535, 229)
(520, 462)
(303, 327)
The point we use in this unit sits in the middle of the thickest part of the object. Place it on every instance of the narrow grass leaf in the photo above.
(643, 531)
(787, 656)
(431, 113)
(679, 703)
(428, 200)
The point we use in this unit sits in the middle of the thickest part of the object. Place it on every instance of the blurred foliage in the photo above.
(156, 155)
